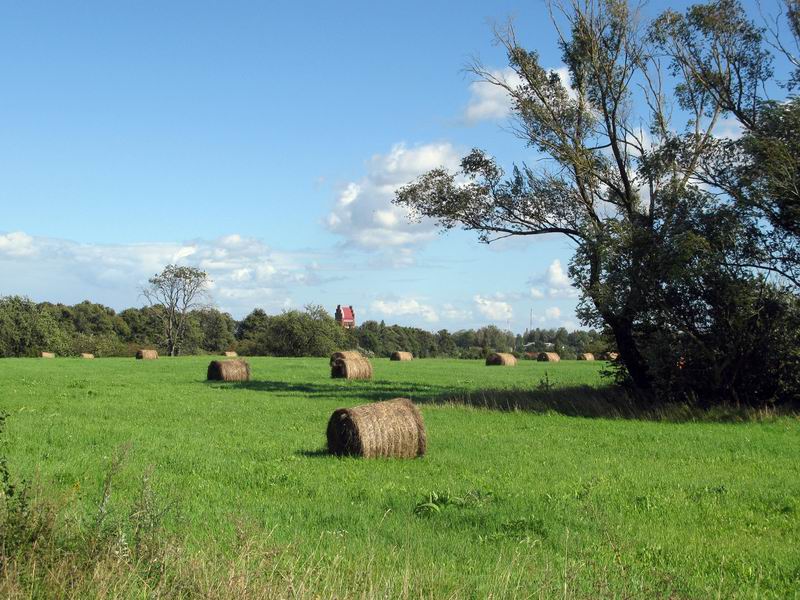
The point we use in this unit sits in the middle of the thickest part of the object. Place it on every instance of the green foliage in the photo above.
(27, 329)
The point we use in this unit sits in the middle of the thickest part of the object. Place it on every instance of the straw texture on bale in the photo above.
(392, 428)
(145, 354)
(586, 356)
(350, 365)
(501, 359)
(548, 357)
(229, 370)
(87, 355)
(47, 355)
(231, 353)
(402, 356)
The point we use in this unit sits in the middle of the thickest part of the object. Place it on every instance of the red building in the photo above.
(345, 316)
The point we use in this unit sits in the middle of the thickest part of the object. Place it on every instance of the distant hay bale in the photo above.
(230, 353)
(229, 370)
(87, 355)
(47, 355)
(350, 365)
(145, 354)
(586, 356)
(392, 428)
(501, 359)
(548, 357)
(401, 356)
(609, 356)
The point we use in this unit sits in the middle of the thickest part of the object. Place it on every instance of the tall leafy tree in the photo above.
(175, 292)
(626, 149)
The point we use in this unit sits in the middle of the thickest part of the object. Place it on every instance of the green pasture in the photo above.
(534, 484)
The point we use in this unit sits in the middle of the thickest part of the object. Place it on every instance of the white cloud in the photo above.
(245, 271)
(491, 101)
(364, 213)
(453, 313)
(553, 312)
(405, 307)
(16, 243)
(495, 310)
(554, 283)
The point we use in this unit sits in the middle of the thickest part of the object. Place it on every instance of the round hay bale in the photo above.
(230, 354)
(145, 354)
(501, 359)
(548, 357)
(350, 365)
(228, 370)
(586, 356)
(87, 355)
(612, 355)
(392, 428)
(47, 355)
(401, 356)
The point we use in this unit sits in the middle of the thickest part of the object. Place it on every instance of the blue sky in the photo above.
(261, 142)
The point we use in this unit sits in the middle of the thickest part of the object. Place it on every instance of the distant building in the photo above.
(345, 316)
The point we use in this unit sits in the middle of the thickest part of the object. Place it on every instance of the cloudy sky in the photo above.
(263, 144)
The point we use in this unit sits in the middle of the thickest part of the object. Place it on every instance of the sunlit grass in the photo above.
(516, 496)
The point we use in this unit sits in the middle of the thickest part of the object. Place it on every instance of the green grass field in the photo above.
(561, 496)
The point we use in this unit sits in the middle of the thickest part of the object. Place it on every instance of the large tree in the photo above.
(175, 292)
(671, 266)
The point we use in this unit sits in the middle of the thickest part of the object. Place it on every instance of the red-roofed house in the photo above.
(345, 316)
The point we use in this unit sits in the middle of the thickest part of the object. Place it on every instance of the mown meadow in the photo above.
(539, 481)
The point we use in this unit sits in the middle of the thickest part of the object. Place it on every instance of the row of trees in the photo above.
(27, 328)
(686, 239)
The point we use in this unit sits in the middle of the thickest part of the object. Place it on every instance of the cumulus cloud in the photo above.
(495, 310)
(490, 101)
(453, 313)
(554, 283)
(553, 312)
(364, 214)
(16, 243)
(405, 307)
(245, 271)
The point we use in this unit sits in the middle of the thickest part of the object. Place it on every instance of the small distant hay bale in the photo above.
(47, 355)
(350, 365)
(87, 355)
(401, 356)
(145, 354)
(586, 356)
(229, 370)
(609, 356)
(548, 357)
(501, 359)
(388, 429)
(230, 353)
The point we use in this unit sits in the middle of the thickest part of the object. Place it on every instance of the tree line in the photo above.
(28, 328)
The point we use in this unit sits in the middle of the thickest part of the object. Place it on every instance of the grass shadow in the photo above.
(608, 402)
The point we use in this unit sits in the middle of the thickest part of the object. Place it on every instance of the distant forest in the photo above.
(28, 328)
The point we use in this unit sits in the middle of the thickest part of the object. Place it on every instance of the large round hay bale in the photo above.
(47, 355)
(401, 356)
(145, 354)
(501, 359)
(229, 370)
(231, 354)
(548, 357)
(87, 355)
(350, 365)
(392, 428)
(586, 356)
(612, 355)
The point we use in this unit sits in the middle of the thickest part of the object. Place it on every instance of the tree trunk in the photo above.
(631, 357)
